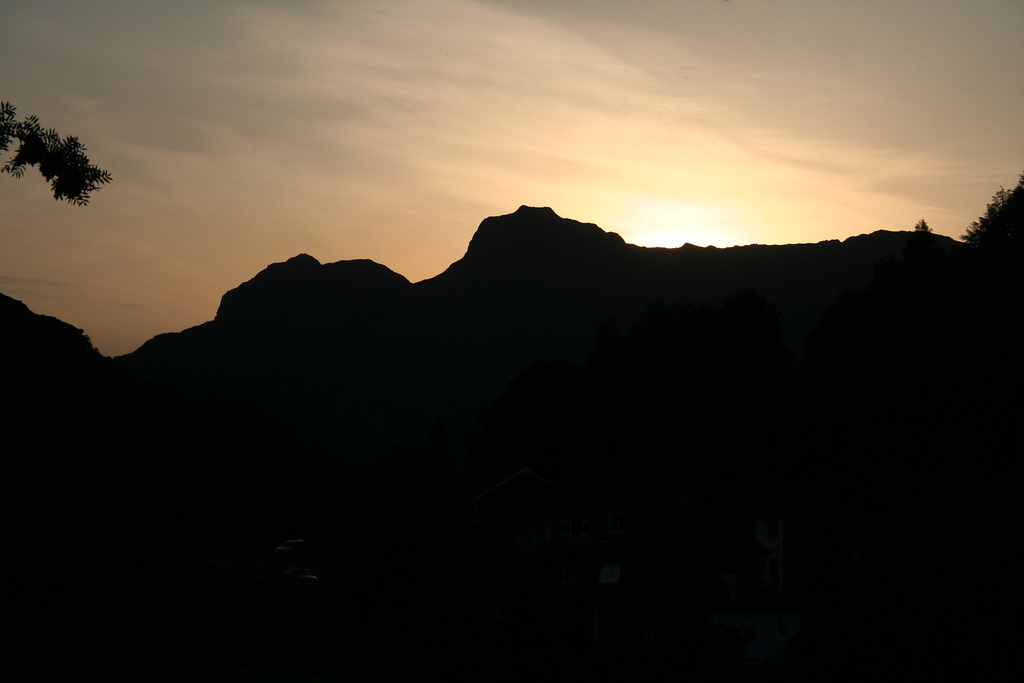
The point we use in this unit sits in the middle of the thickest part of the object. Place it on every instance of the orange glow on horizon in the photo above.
(666, 222)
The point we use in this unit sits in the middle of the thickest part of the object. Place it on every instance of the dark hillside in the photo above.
(103, 461)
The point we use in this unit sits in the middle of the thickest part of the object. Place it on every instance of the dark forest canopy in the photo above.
(687, 390)
(61, 161)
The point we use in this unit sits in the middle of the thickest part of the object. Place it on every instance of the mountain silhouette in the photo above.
(357, 355)
(302, 289)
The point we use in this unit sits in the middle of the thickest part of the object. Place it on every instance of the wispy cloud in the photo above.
(37, 288)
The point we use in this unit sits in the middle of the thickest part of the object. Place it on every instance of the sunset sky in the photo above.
(241, 133)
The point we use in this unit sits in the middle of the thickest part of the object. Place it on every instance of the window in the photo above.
(575, 525)
(617, 524)
(570, 576)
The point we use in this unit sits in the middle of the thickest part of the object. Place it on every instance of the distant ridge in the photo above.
(303, 289)
(356, 354)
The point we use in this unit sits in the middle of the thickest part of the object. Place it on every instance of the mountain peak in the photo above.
(534, 237)
(536, 212)
(293, 289)
(304, 260)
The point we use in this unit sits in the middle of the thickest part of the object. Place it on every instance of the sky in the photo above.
(242, 133)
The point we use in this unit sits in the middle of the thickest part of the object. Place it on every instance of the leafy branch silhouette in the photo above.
(61, 161)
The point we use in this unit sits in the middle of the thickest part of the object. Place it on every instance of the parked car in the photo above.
(293, 547)
(299, 575)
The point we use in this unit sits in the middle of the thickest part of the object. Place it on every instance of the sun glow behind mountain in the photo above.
(664, 222)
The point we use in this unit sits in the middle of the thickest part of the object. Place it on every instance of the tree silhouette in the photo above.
(62, 161)
(1002, 226)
